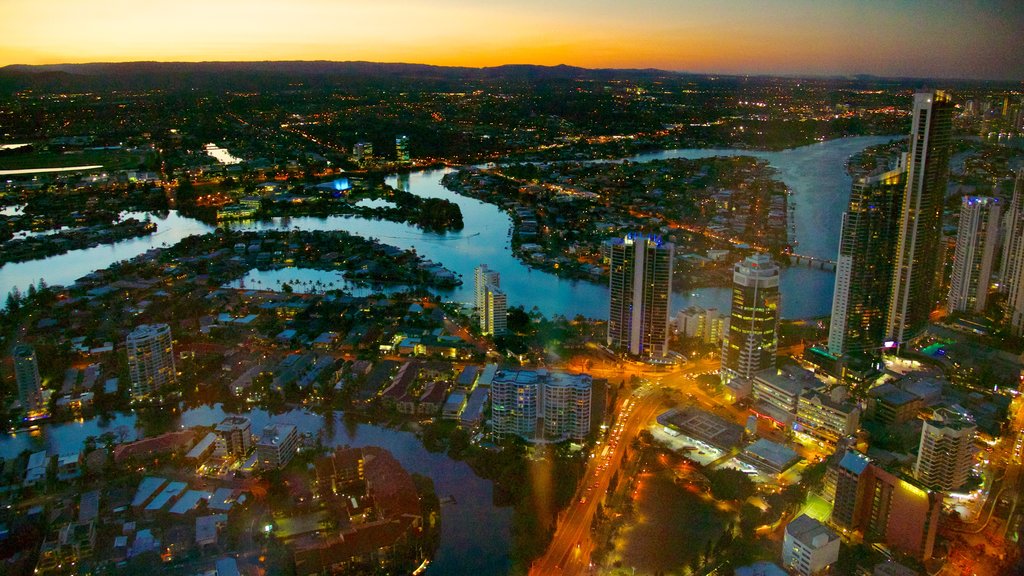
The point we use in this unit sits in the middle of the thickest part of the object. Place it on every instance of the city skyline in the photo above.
(797, 38)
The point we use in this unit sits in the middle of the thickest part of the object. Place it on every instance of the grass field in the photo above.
(109, 159)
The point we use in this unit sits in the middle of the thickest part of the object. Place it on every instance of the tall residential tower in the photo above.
(976, 240)
(640, 285)
(30, 385)
(920, 231)
(864, 266)
(150, 359)
(491, 302)
(1013, 259)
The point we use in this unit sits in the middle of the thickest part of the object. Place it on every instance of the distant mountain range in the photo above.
(319, 73)
(244, 75)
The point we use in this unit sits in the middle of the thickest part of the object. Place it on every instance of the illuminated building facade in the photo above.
(541, 406)
(882, 506)
(640, 287)
(30, 385)
(402, 150)
(1013, 258)
(916, 265)
(491, 302)
(864, 265)
(753, 323)
(976, 240)
(946, 452)
(150, 359)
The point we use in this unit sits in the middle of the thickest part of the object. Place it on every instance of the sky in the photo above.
(916, 38)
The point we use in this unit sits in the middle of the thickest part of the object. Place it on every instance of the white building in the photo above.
(491, 302)
(973, 262)
(946, 452)
(809, 547)
(541, 406)
(753, 326)
(709, 326)
(827, 417)
(1013, 258)
(30, 385)
(277, 445)
(150, 359)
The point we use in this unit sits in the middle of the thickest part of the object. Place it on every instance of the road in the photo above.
(571, 548)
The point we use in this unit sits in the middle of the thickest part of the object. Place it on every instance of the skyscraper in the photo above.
(491, 302)
(150, 359)
(30, 385)
(864, 265)
(976, 239)
(402, 149)
(753, 324)
(1013, 259)
(946, 452)
(640, 286)
(920, 231)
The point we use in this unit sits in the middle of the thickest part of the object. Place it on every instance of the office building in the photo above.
(777, 392)
(491, 302)
(864, 270)
(362, 151)
(977, 238)
(236, 433)
(708, 326)
(946, 452)
(808, 546)
(1013, 259)
(277, 445)
(827, 416)
(640, 287)
(542, 406)
(753, 323)
(879, 505)
(402, 150)
(30, 385)
(916, 265)
(150, 359)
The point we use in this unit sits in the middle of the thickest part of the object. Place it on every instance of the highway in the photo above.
(571, 547)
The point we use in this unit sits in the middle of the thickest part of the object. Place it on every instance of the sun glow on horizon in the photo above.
(795, 36)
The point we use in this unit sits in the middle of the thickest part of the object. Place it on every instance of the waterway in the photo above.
(474, 532)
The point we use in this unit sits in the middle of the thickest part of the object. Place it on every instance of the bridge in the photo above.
(812, 262)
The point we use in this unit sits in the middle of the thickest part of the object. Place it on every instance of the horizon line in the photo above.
(789, 75)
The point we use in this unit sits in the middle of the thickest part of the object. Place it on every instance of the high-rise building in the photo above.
(753, 323)
(150, 359)
(880, 505)
(402, 149)
(920, 231)
(977, 237)
(946, 452)
(1013, 258)
(30, 385)
(640, 287)
(864, 266)
(538, 405)
(491, 302)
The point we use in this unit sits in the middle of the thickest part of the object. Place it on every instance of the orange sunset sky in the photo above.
(933, 38)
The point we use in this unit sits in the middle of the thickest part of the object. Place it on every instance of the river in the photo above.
(816, 174)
